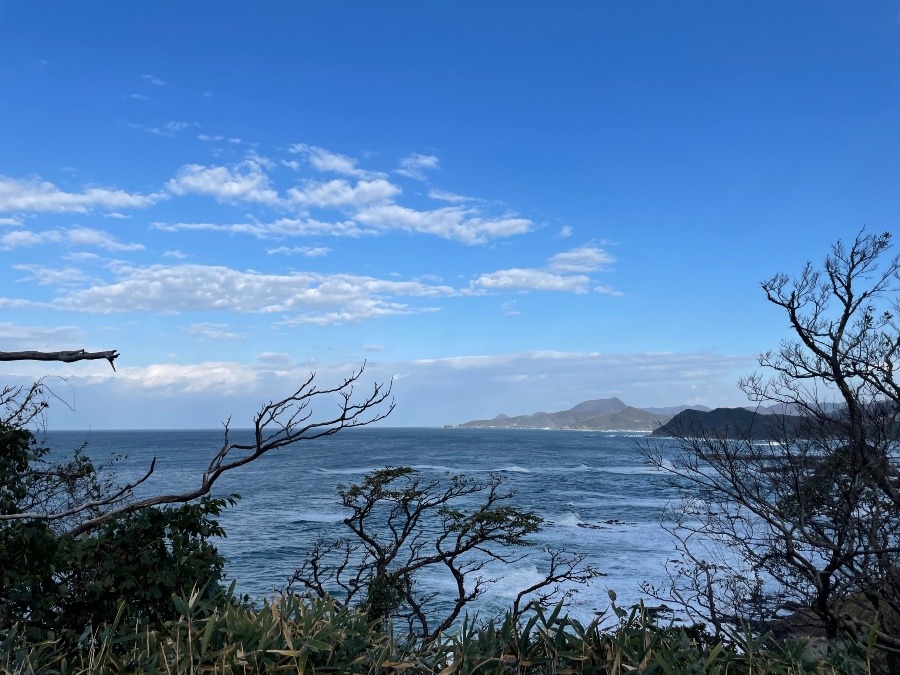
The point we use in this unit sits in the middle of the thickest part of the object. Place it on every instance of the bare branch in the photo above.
(67, 357)
(278, 424)
(455, 526)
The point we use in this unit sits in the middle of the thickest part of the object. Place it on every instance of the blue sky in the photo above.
(505, 207)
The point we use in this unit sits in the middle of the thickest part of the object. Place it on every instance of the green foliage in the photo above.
(309, 634)
(54, 585)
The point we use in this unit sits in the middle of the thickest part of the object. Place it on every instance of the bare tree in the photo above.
(278, 424)
(810, 518)
(403, 524)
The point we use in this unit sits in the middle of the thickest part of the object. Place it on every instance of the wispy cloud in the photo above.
(219, 139)
(300, 297)
(465, 225)
(525, 279)
(213, 331)
(327, 161)
(453, 198)
(415, 165)
(152, 79)
(34, 194)
(566, 271)
(76, 236)
(169, 129)
(50, 276)
(305, 251)
(582, 259)
(17, 337)
(278, 229)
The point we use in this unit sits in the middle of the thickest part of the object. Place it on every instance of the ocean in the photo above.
(592, 489)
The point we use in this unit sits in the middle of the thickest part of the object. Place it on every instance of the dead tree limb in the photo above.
(278, 424)
(67, 357)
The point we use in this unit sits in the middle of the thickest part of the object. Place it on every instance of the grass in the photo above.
(299, 634)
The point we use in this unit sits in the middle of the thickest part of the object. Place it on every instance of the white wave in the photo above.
(567, 520)
(347, 472)
(437, 467)
(299, 517)
(514, 468)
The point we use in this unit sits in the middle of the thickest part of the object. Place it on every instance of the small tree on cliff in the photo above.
(455, 526)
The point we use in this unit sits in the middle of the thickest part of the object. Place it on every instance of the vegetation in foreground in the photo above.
(314, 635)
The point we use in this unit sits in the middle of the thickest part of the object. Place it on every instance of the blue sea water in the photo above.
(592, 489)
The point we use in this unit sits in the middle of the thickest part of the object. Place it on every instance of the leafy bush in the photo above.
(56, 584)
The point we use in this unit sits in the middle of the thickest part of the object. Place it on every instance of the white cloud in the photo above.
(301, 297)
(84, 236)
(26, 338)
(34, 194)
(444, 196)
(169, 129)
(464, 225)
(415, 165)
(565, 232)
(306, 251)
(152, 79)
(219, 138)
(139, 97)
(78, 236)
(327, 161)
(531, 279)
(560, 274)
(176, 254)
(213, 331)
(10, 221)
(245, 181)
(582, 259)
(82, 256)
(279, 229)
(48, 276)
(191, 378)
(20, 238)
(339, 192)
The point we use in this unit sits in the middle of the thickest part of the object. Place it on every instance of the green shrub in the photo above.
(54, 585)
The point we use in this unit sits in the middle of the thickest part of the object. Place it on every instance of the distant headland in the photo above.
(613, 414)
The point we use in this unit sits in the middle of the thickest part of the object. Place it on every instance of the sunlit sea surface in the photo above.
(592, 488)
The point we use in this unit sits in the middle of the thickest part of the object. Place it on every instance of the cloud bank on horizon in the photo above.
(534, 210)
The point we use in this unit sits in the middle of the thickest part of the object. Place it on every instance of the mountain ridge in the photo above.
(602, 414)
